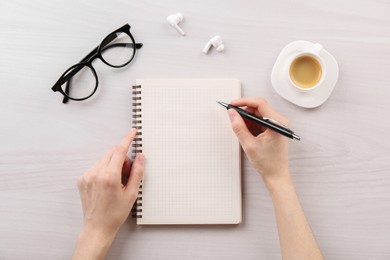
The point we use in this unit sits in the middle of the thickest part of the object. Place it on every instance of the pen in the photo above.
(267, 122)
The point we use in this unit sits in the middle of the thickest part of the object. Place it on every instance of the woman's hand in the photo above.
(106, 201)
(266, 149)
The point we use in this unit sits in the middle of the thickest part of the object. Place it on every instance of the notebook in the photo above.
(192, 157)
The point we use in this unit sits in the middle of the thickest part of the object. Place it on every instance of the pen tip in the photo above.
(297, 137)
(222, 104)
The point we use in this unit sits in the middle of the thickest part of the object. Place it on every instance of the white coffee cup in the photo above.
(306, 69)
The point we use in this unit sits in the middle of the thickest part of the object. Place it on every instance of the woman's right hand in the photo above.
(266, 149)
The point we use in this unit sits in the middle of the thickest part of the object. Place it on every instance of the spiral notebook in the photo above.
(192, 157)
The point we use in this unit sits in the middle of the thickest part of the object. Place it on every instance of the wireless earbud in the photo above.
(216, 42)
(174, 20)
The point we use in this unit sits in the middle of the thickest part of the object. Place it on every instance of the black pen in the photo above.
(267, 122)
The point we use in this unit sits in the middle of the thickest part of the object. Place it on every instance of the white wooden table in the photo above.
(341, 168)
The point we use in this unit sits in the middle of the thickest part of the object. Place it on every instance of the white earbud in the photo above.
(174, 20)
(216, 41)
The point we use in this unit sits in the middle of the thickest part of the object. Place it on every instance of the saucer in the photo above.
(281, 84)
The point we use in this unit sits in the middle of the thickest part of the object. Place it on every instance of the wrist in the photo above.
(278, 181)
(98, 233)
(93, 243)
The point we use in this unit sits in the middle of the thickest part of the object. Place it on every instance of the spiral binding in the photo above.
(137, 145)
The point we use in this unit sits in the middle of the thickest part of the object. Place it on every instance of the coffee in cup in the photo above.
(306, 70)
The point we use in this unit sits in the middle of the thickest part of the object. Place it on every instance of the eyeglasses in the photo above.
(80, 81)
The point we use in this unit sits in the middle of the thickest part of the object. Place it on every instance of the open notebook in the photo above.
(192, 157)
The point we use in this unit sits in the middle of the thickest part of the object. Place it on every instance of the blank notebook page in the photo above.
(192, 157)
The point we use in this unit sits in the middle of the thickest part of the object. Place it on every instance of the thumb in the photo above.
(239, 127)
(136, 173)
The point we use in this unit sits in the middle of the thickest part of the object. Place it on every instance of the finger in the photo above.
(136, 174)
(126, 170)
(252, 104)
(126, 141)
(249, 102)
(254, 128)
(239, 127)
(259, 103)
(251, 110)
(102, 162)
(262, 106)
(267, 110)
(120, 153)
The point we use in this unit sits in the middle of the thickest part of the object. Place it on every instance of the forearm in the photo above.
(92, 244)
(296, 238)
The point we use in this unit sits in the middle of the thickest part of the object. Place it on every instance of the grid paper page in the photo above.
(192, 157)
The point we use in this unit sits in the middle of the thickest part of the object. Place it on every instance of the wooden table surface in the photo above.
(341, 168)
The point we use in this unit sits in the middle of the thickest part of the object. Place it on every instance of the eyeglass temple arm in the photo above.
(90, 56)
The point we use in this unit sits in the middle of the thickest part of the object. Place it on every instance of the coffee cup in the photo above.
(307, 69)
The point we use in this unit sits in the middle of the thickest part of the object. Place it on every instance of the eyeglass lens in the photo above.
(81, 85)
(83, 80)
(118, 51)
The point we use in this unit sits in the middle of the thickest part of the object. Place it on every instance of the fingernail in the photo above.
(132, 133)
(231, 114)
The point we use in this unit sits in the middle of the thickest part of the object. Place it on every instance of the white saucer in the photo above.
(282, 85)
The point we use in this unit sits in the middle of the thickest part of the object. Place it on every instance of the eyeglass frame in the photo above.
(87, 61)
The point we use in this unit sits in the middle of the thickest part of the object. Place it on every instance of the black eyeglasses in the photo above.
(80, 81)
